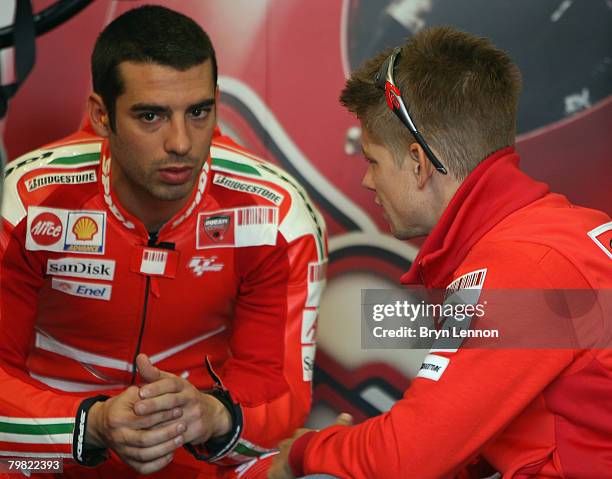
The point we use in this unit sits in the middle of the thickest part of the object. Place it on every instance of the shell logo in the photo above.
(85, 228)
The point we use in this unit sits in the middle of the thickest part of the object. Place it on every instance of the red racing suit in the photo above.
(235, 277)
(532, 413)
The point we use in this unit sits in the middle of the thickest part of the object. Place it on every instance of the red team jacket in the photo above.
(532, 413)
(235, 277)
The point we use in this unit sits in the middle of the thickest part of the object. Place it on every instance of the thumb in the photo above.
(146, 369)
(344, 419)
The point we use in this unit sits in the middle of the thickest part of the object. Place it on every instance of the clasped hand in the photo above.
(145, 425)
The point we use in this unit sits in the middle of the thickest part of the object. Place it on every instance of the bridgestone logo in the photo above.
(248, 187)
(60, 179)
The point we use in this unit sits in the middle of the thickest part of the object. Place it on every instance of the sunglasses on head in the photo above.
(385, 81)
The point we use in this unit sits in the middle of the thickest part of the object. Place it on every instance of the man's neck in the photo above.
(443, 190)
(152, 212)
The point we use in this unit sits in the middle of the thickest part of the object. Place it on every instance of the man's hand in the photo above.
(136, 439)
(280, 468)
(203, 414)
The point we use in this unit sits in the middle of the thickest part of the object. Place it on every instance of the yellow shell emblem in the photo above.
(85, 228)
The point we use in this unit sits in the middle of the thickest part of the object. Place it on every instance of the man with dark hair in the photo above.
(160, 285)
(437, 118)
(177, 44)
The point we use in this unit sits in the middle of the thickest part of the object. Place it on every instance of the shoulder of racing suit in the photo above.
(234, 169)
(32, 178)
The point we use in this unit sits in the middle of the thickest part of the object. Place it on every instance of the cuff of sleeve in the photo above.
(217, 447)
(296, 454)
(86, 456)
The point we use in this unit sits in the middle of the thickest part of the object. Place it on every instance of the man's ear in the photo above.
(98, 115)
(421, 167)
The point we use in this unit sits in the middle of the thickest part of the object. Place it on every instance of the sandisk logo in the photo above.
(46, 229)
(82, 268)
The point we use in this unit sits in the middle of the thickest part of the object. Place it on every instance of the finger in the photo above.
(151, 466)
(160, 403)
(152, 437)
(344, 419)
(170, 384)
(146, 369)
(158, 419)
(147, 454)
(166, 423)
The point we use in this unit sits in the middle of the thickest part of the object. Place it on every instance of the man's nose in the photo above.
(178, 139)
(366, 181)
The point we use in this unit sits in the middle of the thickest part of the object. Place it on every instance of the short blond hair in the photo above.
(461, 91)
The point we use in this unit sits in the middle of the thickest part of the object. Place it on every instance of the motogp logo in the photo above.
(46, 229)
(199, 265)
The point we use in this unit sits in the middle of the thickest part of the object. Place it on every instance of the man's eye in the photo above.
(148, 116)
(199, 113)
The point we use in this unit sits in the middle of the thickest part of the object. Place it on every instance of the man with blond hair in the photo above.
(438, 132)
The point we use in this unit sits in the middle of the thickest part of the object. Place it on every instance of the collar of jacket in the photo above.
(492, 191)
(133, 223)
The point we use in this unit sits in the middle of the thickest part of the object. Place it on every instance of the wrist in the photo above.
(224, 418)
(88, 444)
(94, 436)
(297, 452)
(219, 415)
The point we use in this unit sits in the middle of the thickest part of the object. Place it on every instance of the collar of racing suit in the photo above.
(131, 222)
(492, 191)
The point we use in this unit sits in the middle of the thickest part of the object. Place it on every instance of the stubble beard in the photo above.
(165, 192)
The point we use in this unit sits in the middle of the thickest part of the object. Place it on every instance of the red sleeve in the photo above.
(438, 427)
(34, 420)
(273, 342)
(442, 423)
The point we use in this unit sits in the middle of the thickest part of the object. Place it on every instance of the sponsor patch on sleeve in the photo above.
(308, 357)
(433, 367)
(316, 283)
(602, 236)
(473, 280)
(237, 227)
(55, 229)
(309, 325)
